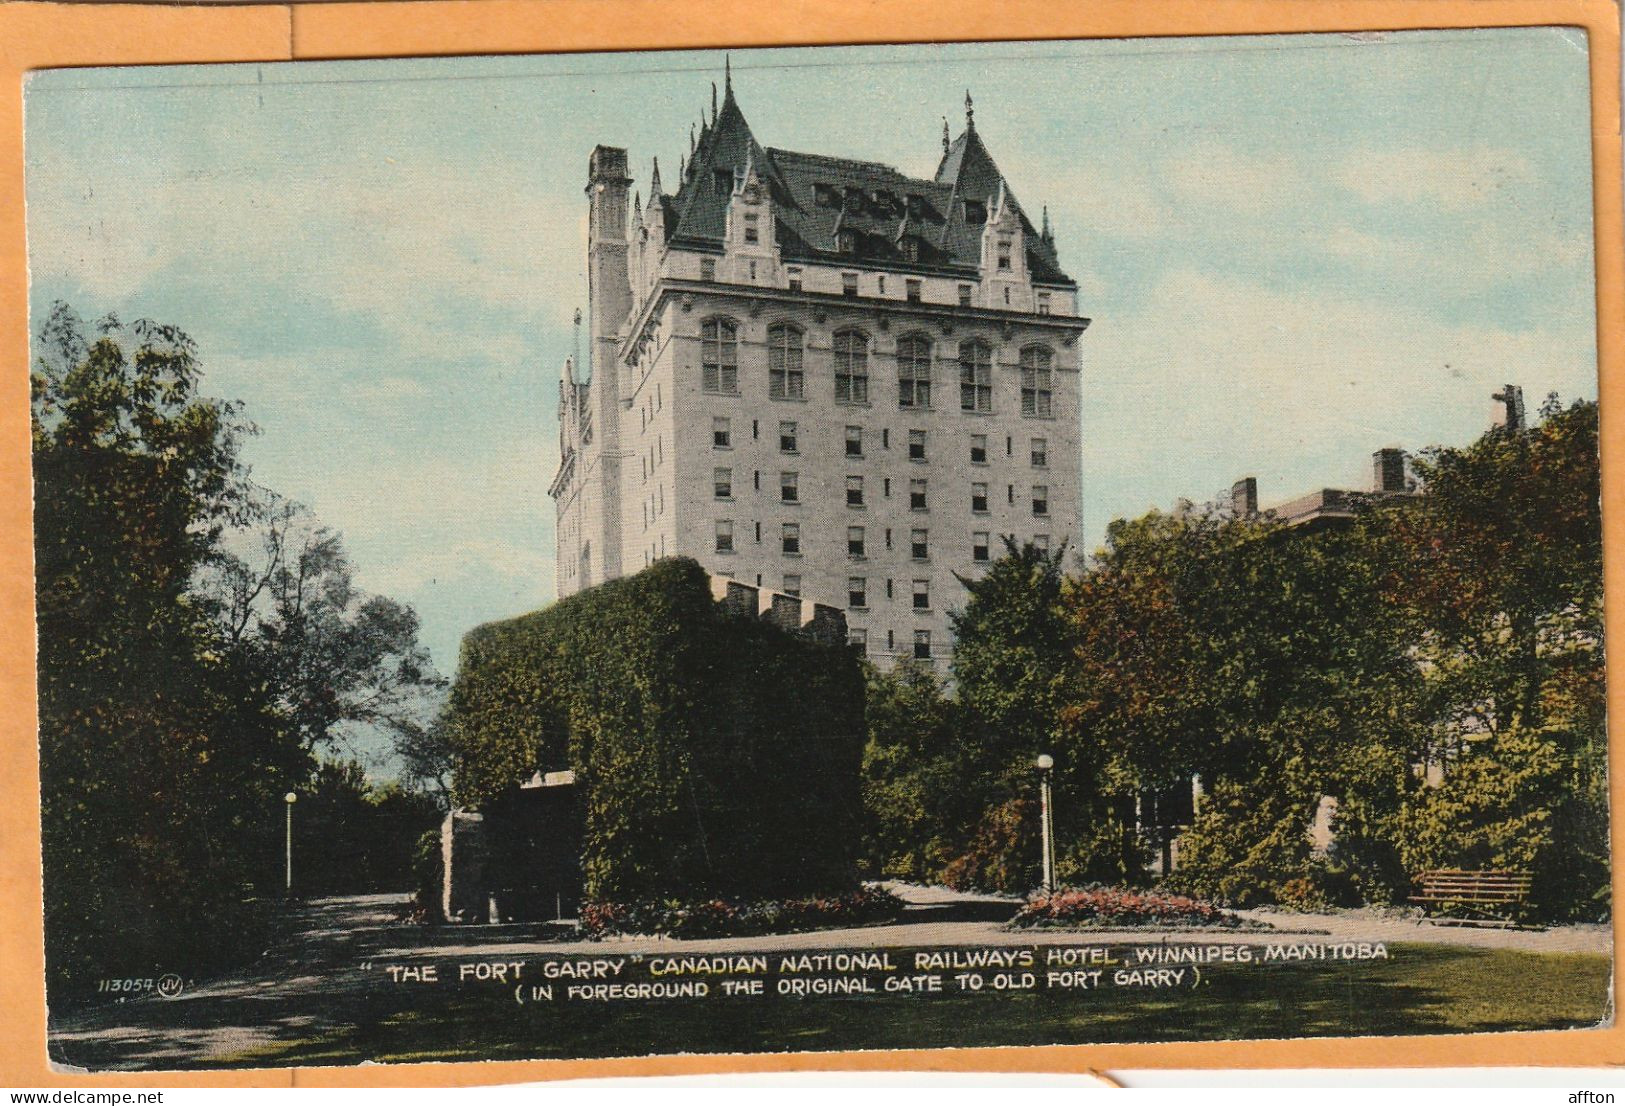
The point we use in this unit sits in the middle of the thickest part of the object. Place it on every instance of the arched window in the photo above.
(975, 376)
(851, 367)
(719, 356)
(914, 371)
(1037, 382)
(784, 374)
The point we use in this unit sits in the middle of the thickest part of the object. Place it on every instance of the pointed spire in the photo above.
(998, 202)
(727, 76)
(970, 112)
(654, 184)
(691, 139)
(682, 170)
(713, 101)
(945, 141)
(1047, 234)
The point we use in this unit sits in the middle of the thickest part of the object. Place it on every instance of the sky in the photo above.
(1295, 250)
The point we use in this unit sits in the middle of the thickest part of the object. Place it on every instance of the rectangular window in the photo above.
(978, 449)
(964, 295)
(854, 441)
(1041, 541)
(721, 433)
(725, 536)
(719, 356)
(708, 268)
(849, 284)
(978, 498)
(724, 479)
(1040, 453)
(789, 487)
(753, 231)
(857, 592)
(854, 491)
(854, 541)
(916, 445)
(784, 363)
(975, 377)
(1004, 253)
(1036, 383)
(1040, 500)
(1043, 303)
(851, 351)
(922, 595)
(880, 284)
(922, 645)
(795, 280)
(790, 538)
(913, 287)
(919, 544)
(916, 495)
(979, 546)
(787, 437)
(858, 636)
(792, 585)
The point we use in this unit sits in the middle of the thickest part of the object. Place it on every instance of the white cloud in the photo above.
(1452, 179)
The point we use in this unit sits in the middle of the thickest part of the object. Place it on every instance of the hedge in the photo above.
(717, 754)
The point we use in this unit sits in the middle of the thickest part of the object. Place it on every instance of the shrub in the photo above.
(732, 918)
(1119, 908)
(428, 874)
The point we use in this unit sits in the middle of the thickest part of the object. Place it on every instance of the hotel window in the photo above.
(1041, 542)
(1040, 500)
(1004, 252)
(721, 433)
(725, 536)
(916, 445)
(1040, 453)
(913, 287)
(978, 449)
(788, 487)
(719, 356)
(979, 546)
(978, 498)
(724, 483)
(787, 437)
(795, 280)
(753, 231)
(880, 285)
(854, 491)
(854, 441)
(849, 283)
(975, 212)
(851, 367)
(911, 248)
(1036, 381)
(790, 538)
(922, 595)
(913, 372)
(916, 495)
(784, 376)
(708, 268)
(792, 585)
(964, 295)
(848, 244)
(857, 592)
(922, 645)
(975, 376)
(919, 544)
(1043, 303)
(858, 636)
(854, 541)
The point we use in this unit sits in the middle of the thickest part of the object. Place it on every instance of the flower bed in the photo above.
(720, 918)
(1121, 908)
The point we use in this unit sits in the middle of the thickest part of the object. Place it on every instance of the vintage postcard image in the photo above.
(819, 549)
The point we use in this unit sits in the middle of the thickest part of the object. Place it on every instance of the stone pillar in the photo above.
(463, 895)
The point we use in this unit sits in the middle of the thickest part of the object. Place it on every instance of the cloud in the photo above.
(1452, 179)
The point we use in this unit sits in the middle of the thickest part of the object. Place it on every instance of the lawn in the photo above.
(1420, 989)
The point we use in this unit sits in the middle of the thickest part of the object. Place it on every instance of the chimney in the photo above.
(1388, 470)
(1244, 497)
(1510, 397)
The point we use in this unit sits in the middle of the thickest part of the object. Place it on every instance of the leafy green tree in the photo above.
(914, 795)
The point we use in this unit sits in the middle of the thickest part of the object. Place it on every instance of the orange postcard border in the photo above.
(43, 35)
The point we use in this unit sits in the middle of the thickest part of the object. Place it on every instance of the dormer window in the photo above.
(753, 230)
(1004, 253)
(847, 242)
(910, 246)
(975, 212)
(724, 178)
(824, 195)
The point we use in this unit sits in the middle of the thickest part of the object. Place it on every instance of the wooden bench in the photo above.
(1488, 897)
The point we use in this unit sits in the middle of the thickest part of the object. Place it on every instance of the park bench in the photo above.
(1489, 897)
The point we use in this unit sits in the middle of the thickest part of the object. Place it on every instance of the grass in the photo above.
(1421, 989)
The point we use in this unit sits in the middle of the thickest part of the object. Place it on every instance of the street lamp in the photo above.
(290, 798)
(1044, 764)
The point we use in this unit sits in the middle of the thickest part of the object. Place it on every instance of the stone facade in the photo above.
(822, 378)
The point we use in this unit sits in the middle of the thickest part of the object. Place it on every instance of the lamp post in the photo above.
(1044, 764)
(289, 799)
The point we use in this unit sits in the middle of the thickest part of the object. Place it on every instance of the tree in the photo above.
(914, 796)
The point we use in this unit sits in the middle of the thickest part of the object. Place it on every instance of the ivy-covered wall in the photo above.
(716, 754)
